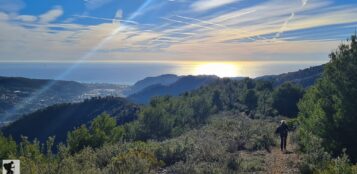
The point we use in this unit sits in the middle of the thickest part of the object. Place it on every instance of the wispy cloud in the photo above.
(27, 18)
(203, 5)
(51, 15)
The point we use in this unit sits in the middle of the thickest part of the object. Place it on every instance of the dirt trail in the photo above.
(283, 163)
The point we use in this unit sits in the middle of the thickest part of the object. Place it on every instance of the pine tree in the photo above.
(329, 109)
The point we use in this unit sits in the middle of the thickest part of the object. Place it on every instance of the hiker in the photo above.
(8, 167)
(282, 130)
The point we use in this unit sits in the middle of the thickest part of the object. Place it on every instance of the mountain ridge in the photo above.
(305, 77)
(184, 84)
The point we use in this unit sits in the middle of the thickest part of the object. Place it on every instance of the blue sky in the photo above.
(173, 30)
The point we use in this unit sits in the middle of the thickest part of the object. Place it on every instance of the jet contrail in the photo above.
(201, 21)
(106, 19)
(220, 25)
(283, 27)
(291, 17)
(182, 22)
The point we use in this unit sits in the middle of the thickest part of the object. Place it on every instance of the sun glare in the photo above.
(218, 69)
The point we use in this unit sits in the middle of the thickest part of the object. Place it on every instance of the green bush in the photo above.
(136, 162)
(339, 165)
(7, 147)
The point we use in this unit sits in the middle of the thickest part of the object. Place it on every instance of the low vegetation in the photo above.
(196, 151)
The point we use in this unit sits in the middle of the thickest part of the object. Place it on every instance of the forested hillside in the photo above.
(174, 85)
(165, 117)
(305, 77)
(57, 120)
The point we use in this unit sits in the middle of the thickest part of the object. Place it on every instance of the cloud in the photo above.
(3, 16)
(203, 5)
(26, 18)
(51, 15)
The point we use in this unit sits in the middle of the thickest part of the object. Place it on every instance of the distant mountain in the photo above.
(165, 79)
(57, 120)
(183, 84)
(305, 77)
(20, 96)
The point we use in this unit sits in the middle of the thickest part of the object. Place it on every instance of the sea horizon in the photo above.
(127, 73)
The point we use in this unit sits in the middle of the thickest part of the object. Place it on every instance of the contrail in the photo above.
(201, 21)
(106, 19)
(304, 2)
(221, 26)
(188, 23)
(239, 14)
(291, 17)
(283, 27)
(86, 56)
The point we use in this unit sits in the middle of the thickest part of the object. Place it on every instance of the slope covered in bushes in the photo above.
(57, 120)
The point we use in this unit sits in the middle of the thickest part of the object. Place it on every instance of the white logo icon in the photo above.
(11, 166)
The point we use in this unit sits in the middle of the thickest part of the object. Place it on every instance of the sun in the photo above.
(218, 69)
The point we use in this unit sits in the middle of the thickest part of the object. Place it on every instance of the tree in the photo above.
(156, 123)
(78, 139)
(250, 99)
(216, 100)
(286, 97)
(328, 110)
(102, 128)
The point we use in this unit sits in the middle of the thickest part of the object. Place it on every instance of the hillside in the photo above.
(165, 79)
(183, 84)
(304, 77)
(173, 85)
(57, 120)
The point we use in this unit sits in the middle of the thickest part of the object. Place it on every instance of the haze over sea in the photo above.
(130, 72)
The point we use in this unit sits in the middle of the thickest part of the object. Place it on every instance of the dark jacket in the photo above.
(283, 130)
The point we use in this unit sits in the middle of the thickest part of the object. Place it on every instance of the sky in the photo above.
(173, 30)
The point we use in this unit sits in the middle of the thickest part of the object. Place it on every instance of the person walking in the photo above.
(283, 130)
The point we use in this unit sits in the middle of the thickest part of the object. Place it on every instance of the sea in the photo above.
(127, 73)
